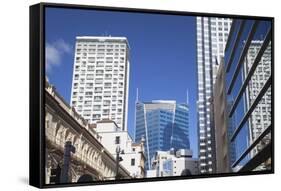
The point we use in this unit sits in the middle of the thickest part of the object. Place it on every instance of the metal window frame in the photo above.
(252, 107)
(259, 158)
(251, 72)
(248, 150)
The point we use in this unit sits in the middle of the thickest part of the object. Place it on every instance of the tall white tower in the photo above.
(100, 81)
(212, 34)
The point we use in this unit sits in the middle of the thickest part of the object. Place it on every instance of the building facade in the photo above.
(89, 158)
(211, 37)
(224, 148)
(248, 83)
(163, 124)
(132, 154)
(174, 163)
(232, 146)
(101, 79)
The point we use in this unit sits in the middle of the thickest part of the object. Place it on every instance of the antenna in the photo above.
(137, 100)
(187, 97)
(137, 96)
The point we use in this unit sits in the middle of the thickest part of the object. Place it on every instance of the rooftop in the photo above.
(164, 101)
(103, 39)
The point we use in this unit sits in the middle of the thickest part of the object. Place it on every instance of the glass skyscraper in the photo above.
(164, 125)
(248, 83)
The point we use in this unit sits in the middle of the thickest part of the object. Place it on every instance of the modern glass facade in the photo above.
(261, 116)
(164, 125)
(248, 83)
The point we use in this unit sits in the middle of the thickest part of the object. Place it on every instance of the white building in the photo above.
(101, 79)
(261, 117)
(131, 153)
(212, 34)
(171, 163)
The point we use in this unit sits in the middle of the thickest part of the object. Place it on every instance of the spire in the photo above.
(137, 96)
(187, 97)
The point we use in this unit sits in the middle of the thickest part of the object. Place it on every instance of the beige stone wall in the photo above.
(220, 118)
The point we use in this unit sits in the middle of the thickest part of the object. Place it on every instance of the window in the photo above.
(98, 89)
(96, 107)
(133, 161)
(106, 102)
(90, 68)
(117, 140)
(96, 116)
(97, 98)
(107, 84)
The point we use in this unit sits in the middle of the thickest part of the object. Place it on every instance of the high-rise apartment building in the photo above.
(261, 116)
(212, 34)
(164, 124)
(101, 79)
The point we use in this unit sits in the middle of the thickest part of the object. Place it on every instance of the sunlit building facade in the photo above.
(101, 79)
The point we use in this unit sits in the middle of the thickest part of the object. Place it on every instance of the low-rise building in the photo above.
(132, 154)
(173, 163)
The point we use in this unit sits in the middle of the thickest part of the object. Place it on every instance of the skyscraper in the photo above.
(212, 34)
(101, 79)
(164, 125)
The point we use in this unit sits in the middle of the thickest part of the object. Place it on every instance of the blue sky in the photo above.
(162, 54)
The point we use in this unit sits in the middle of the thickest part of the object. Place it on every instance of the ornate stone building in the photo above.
(63, 124)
